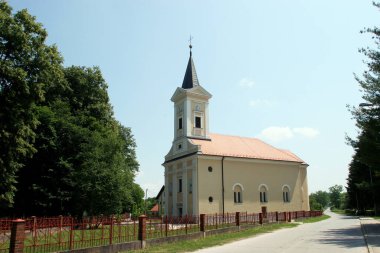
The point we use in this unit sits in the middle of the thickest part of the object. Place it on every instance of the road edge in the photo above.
(369, 248)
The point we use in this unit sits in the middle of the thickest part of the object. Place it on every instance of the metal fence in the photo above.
(171, 226)
(66, 233)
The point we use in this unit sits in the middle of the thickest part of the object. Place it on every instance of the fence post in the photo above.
(261, 218)
(285, 216)
(71, 239)
(277, 216)
(60, 230)
(166, 226)
(34, 231)
(290, 217)
(142, 230)
(202, 226)
(17, 236)
(111, 230)
(237, 219)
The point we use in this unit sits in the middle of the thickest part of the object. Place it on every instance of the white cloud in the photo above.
(261, 103)
(277, 133)
(246, 83)
(307, 132)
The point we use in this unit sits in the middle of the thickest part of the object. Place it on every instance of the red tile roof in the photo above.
(154, 208)
(243, 147)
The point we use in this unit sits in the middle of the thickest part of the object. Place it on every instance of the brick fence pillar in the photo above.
(261, 218)
(17, 236)
(237, 218)
(142, 230)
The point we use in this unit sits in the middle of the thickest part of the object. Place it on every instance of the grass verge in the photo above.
(339, 211)
(214, 240)
(316, 219)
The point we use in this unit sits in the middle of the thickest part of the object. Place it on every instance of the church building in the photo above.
(215, 173)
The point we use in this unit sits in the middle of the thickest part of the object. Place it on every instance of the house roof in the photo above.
(191, 79)
(243, 147)
(160, 192)
(154, 208)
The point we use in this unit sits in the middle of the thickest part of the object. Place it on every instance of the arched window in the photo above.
(263, 193)
(286, 193)
(238, 193)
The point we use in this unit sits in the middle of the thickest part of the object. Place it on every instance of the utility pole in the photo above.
(146, 198)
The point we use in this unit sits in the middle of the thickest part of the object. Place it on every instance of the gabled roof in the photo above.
(155, 208)
(160, 192)
(191, 79)
(243, 147)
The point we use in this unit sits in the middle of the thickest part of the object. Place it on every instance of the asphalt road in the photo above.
(337, 234)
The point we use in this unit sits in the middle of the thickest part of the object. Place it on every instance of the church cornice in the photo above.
(196, 92)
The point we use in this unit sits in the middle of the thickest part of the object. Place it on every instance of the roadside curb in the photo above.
(362, 226)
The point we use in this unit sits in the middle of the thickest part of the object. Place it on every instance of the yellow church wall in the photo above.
(209, 185)
(250, 174)
(190, 193)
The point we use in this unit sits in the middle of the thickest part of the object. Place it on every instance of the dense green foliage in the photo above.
(334, 198)
(364, 170)
(61, 149)
(28, 68)
(319, 200)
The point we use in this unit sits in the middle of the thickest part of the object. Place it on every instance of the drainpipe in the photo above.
(223, 184)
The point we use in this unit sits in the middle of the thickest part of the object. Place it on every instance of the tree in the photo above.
(27, 65)
(85, 160)
(359, 191)
(367, 146)
(319, 200)
(60, 145)
(335, 195)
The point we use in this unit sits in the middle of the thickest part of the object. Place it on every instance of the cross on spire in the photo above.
(190, 46)
(190, 80)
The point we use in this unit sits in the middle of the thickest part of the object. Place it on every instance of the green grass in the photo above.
(339, 211)
(316, 219)
(214, 240)
(351, 213)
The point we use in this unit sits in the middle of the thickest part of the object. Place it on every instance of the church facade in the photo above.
(215, 173)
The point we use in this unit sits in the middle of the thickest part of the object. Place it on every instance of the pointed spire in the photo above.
(190, 80)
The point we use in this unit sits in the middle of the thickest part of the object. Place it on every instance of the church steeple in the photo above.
(191, 79)
(190, 109)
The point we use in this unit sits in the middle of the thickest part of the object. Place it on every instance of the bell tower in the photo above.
(191, 116)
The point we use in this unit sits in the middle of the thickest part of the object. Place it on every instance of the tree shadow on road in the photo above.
(373, 234)
(350, 237)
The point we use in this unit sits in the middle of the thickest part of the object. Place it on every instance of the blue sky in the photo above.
(278, 70)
